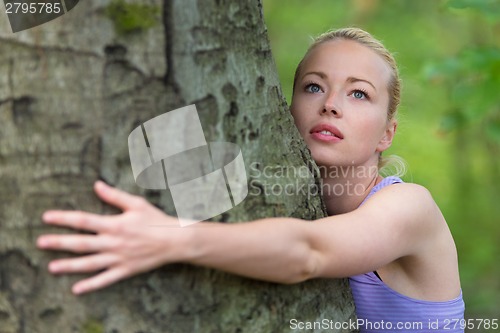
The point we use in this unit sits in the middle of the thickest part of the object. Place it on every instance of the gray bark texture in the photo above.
(73, 89)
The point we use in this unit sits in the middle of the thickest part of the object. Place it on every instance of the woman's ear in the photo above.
(386, 141)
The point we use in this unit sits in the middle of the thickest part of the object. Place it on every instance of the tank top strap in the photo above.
(384, 183)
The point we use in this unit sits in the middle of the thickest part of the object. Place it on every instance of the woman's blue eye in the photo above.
(313, 88)
(358, 94)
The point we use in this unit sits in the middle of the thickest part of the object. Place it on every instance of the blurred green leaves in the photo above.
(472, 77)
(488, 8)
(473, 80)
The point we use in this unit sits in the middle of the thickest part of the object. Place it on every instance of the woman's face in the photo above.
(340, 104)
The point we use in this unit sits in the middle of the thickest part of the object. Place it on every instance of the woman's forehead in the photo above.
(346, 57)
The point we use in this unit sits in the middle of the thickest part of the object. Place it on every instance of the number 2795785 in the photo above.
(32, 8)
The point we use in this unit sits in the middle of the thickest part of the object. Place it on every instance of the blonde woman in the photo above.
(387, 236)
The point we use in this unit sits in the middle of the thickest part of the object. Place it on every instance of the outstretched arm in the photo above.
(284, 250)
(143, 238)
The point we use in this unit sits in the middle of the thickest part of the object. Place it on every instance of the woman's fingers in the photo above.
(74, 243)
(107, 248)
(93, 222)
(100, 280)
(77, 220)
(86, 264)
(116, 197)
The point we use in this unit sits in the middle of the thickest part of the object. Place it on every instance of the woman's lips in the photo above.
(326, 132)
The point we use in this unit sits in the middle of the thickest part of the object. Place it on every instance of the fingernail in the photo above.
(53, 267)
(48, 216)
(77, 290)
(41, 242)
(100, 184)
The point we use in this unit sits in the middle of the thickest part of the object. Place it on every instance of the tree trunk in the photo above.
(73, 89)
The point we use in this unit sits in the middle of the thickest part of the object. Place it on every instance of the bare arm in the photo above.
(273, 249)
(395, 223)
(276, 249)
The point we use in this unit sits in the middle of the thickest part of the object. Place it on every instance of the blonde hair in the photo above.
(394, 85)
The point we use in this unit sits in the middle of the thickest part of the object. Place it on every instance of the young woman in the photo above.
(389, 237)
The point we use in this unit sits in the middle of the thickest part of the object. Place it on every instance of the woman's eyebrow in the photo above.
(352, 79)
(320, 74)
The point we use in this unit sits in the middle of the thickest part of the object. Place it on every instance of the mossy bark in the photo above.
(72, 90)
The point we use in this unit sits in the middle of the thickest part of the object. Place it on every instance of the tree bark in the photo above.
(73, 89)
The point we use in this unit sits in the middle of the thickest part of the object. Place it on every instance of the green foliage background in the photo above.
(449, 121)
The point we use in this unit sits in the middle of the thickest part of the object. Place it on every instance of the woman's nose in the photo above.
(331, 105)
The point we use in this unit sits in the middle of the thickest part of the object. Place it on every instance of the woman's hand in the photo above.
(137, 240)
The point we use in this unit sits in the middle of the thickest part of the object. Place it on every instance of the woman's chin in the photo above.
(325, 161)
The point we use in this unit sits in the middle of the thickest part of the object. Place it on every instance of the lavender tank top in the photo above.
(381, 309)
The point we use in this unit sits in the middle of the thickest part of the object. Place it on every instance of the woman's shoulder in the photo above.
(405, 202)
(396, 190)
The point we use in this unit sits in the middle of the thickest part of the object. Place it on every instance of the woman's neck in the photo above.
(345, 188)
